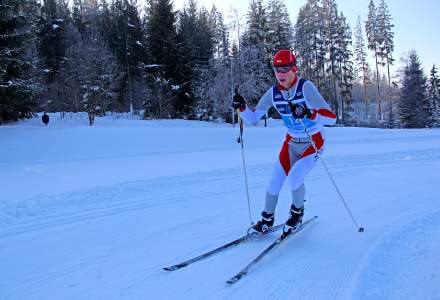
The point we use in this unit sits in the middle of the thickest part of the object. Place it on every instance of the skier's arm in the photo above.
(252, 116)
(321, 111)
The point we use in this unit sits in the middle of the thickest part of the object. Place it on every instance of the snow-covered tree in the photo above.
(344, 60)
(332, 24)
(163, 68)
(433, 95)
(362, 68)
(412, 104)
(374, 42)
(254, 57)
(52, 46)
(280, 30)
(214, 90)
(385, 27)
(17, 59)
(309, 42)
(88, 75)
(220, 34)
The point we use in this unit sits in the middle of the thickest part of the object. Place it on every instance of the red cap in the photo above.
(284, 58)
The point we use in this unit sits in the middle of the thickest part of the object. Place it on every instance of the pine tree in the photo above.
(254, 56)
(129, 45)
(220, 34)
(362, 66)
(163, 52)
(196, 39)
(309, 41)
(51, 38)
(433, 95)
(386, 35)
(412, 105)
(280, 30)
(189, 49)
(332, 23)
(204, 38)
(374, 42)
(344, 55)
(256, 33)
(17, 87)
(385, 26)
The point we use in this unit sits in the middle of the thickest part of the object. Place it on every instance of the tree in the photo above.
(257, 31)
(88, 74)
(254, 57)
(220, 34)
(17, 87)
(331, 21)
(433, 95)
(385, 26)
(412, 105)
(374, 42)
(309, 42)
(51, 38)
(128, 42)
(280, 31)
(163, 52)
(361, 65)
(343, 58)
(386, 34)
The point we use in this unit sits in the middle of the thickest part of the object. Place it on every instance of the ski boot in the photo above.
(264, 225)
(294, 220)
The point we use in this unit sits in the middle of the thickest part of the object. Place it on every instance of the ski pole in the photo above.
(240, 120)
(317, 156)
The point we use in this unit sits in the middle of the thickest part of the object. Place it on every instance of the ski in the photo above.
(222, 248)
(277, 242)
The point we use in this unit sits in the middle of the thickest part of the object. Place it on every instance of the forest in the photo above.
(156, 62)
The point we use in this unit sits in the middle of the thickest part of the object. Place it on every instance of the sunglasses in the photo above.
(283, 69)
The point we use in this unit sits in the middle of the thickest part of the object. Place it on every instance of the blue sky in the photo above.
(416, 22)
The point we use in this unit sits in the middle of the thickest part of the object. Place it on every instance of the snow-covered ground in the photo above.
(96, 212)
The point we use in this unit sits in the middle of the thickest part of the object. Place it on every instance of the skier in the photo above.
(304, 112)
(45, 118)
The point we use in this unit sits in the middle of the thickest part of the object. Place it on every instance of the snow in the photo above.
(96, 212)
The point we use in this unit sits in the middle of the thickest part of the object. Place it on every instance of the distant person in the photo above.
(304, 112)
(45, 118)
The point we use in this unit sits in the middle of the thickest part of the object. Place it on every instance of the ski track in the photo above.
(136, 191)
(390, 270)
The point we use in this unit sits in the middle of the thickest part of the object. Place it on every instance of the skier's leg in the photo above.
(296, 180)
(274, 188)
(299, 171)
(280, 171)
(298, 196)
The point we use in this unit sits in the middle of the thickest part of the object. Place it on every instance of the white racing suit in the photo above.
(296, 158)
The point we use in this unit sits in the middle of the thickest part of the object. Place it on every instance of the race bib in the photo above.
(295, 124)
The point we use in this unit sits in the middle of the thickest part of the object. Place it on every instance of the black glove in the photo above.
(300, 110)
(238, 101)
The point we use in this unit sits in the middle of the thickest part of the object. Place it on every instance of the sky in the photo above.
(416, 22)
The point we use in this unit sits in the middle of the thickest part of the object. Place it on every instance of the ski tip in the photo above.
(172, 268)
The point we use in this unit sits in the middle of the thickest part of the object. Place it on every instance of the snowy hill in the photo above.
(96, 212)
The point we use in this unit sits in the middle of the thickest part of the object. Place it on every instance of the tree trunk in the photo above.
(390, 116)
(379, 110)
